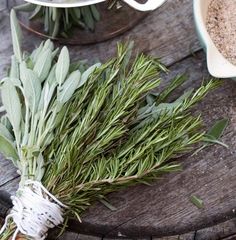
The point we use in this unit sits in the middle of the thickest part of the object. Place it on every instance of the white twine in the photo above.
(35, 211)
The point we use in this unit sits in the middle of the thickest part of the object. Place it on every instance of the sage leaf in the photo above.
(16, 82)
(11, 102)
(27, 7)
(62, 66)
(5, 132)
(2, 109)
(56, 27)
(95, 12)
(55, 52)
(16, 36)
(35, 54)
(14, 71)
(69, 87)
(46, 96)
(170, 107)
(87, 73)
(77, 12)
(40, 167)
(88, 18)
(218, 128)
(36, 12)
(5, 121)
(31, 86)
(52, 76)
(213, 135)
(8, 149)
(43, 64)
(48, 45)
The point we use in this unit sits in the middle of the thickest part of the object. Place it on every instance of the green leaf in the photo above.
(8, 149)
(69, 87)
(213, 135)
(52, 76)
(5, 132)
(14, 71)
(87, 73)
(11, 102)
(88, 18)
(16, 36)
(196, 201)
(36, 12)
(35, 54)
(26, 7)
(43, 64)
(46, 95)
(31, 86)
(170, 107)
(5, 121)
(48, 45)
(62, 66)
(95, 12)
(56, 27)
(76, 12)
(16, 82)
(218, 128)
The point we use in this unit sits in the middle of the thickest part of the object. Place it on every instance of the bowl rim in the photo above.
(148, 6)
(218, 62)
(64, 5)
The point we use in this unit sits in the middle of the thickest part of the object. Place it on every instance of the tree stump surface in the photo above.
(162, 210)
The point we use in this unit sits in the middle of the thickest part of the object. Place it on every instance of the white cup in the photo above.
(218, 65)
(148, 6)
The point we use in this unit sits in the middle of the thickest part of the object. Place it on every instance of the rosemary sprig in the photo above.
(86, 133)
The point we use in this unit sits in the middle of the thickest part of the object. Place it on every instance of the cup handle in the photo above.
(150, 5)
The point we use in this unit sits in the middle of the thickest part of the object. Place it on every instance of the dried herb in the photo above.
(84, 134)
(60, 21)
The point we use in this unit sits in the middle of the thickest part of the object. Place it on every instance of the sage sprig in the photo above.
(87, 131)
(60, 21)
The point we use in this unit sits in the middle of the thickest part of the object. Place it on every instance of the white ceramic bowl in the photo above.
(217, 64)
(148, 6)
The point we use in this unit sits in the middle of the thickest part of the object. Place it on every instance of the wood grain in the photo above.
(161, 34)
(164, 208)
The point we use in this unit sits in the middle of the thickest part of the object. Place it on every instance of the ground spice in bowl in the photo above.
(221, 25)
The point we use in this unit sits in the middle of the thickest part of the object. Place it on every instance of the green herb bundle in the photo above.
(60, 21)
(86, 132)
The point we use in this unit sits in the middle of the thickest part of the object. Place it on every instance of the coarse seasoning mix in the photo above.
(221, 25)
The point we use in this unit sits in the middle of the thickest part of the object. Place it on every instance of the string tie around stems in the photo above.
(35, 210)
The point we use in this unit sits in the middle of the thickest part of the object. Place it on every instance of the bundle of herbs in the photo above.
(77, 133)
(60, 21)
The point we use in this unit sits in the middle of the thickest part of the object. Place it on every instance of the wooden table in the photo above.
(163, 209)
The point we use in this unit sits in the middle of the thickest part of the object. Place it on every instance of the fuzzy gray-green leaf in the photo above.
(62, 66)
(217, 130)
(87, 73)
(5, 132)
(69, 87)
(16, 36)
(43, 64)
(32, 87)
(14, 71)
(11, 102)
(8, 149)
(35, 54)
(16, 82)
